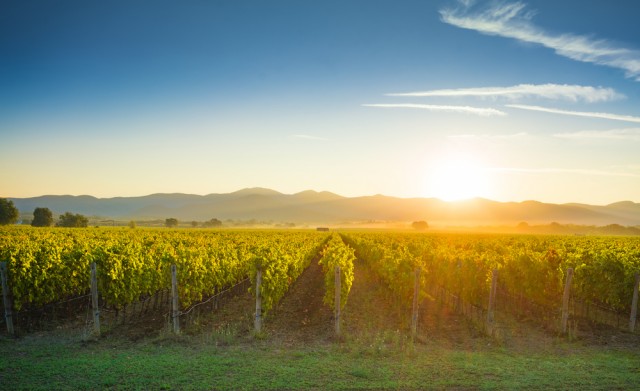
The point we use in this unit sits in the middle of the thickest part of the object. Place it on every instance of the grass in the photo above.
(45, 362)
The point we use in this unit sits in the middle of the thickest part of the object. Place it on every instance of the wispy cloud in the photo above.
(309, 137)
(483, 111)
(474, 137)
(512, 20)
(549, 91)
(574, 171)
(615, 117)
(630, 134)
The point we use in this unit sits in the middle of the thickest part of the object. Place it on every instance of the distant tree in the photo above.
(132, 224)
(523, 225)
(69, 219)
(42, 217)
(212, 223)
(8, 212)
(420, 225)
(194, 224)
(171, 222)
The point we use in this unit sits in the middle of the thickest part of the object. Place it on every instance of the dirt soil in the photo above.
(372, 315)
(301, 317)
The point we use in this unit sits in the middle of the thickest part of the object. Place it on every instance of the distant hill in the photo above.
(325, 207)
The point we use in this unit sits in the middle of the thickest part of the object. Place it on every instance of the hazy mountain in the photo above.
(325, 207)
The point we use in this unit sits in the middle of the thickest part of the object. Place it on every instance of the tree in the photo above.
(194, 224)
(420, 224)
(171, 222)
(8, 212)
(132, 224)
(42, 217)
(69, 219)
(212, 223)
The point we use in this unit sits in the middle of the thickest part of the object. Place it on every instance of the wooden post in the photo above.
(492, 297)
(338, 299)
(94, 299)
(258, 320)
(175, 309)
(634, 305)
(6, 297)
(565, 301)
(414, 311)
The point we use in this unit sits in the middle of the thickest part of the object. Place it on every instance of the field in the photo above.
(297, 347)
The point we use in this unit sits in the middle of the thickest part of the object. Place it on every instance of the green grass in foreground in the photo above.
(44, 363)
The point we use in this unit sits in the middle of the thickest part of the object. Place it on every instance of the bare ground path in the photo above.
(373, 315)
(301, 316)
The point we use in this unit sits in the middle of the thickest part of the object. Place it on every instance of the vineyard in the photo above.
(546, 279)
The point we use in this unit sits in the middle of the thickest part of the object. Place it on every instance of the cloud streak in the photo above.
(631, 134)
(615, 117)
(511, 20)
(475, 137)
(572, 93)
(482, 111)
(573, 171)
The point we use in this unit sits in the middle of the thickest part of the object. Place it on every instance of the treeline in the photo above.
(557, 228)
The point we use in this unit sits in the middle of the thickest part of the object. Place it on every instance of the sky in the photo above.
(506, 100)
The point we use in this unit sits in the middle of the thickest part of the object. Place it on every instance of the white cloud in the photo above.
(615, 117)
(309, 137)
(572, 93)
(488, 136)
(483, 111)
(577, 171)
(630, 134)
(511, 20)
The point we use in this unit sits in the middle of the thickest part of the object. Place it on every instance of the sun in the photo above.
(456, 178)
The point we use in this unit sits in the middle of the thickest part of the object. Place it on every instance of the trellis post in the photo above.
(258, 319)
(6, 297)
(338, 299)
(565, 301)
(634, 305)
(94, 299)
(175, 309)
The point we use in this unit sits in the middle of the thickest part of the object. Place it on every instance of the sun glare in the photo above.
(458, 178)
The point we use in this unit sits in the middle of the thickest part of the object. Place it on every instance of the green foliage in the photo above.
(69, 219)
(212, 223)
(337, 254)
(8, 212)
(48, 265)
(42, 217)
(282, 259)
(171, 222)
(531, 266)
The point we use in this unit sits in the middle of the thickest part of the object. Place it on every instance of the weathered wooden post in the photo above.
(6, 297)
(565, 301)
(175, 309)
(94, 299)
(634, 305)
(338, 299)
(492, 299)
(414, 310)
(258, 319)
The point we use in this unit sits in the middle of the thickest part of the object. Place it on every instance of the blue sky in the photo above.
(451, 99)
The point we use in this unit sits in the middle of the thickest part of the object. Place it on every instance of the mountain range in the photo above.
(329, 208)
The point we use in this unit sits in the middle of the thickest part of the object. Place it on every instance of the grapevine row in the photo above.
(337, 254)
(49, 265)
